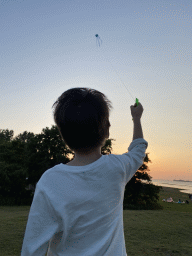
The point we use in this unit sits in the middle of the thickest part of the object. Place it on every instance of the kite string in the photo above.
(98, 40)
(120, 78)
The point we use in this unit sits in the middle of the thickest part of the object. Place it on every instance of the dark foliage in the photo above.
(25, 158)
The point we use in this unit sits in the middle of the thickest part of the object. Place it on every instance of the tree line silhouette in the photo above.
(24, 158)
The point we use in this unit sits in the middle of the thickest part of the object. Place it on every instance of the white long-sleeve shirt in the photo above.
(78, 210)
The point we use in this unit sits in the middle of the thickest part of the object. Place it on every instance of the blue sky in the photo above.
(48, 47)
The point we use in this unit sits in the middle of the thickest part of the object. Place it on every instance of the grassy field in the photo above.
(163, 232)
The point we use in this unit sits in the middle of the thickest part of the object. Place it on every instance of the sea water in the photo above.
(184, 186)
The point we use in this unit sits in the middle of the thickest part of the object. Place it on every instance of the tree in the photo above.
(12, 171)
(26, 157)
(6, 135)
(139, 195)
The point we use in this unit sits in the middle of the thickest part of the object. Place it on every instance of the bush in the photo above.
(13, 201)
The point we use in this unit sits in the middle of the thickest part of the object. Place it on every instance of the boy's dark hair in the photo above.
(82, 118)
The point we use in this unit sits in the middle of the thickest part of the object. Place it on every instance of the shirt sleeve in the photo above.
(41, 226)
(135, 157)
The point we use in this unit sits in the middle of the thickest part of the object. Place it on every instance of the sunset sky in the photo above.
(48, 47)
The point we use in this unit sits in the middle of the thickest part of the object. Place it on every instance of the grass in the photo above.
(161, 232)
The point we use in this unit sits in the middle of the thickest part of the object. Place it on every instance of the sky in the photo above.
(48, 47)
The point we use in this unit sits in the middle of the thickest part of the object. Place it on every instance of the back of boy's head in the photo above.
(82, 118)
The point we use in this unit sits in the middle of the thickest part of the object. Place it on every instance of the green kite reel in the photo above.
(137, 102)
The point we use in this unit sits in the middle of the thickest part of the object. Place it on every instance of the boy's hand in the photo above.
(136, 111)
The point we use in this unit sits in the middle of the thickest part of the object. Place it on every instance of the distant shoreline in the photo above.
(183, 180)
(186, 187)
(170, 188)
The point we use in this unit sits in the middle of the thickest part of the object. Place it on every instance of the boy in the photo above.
(78, 207)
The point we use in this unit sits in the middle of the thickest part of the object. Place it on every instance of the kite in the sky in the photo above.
(98, 40)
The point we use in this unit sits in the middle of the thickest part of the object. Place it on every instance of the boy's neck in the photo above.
(83, 159)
